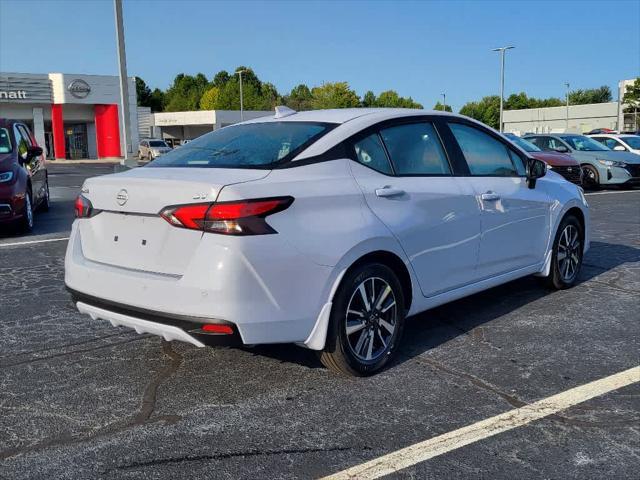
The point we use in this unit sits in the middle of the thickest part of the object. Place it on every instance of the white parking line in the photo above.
(613, 193)
(419, 452)
(31, 242)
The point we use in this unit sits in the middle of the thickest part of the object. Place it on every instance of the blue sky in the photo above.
(420, 49)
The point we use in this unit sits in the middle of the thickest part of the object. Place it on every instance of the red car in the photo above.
(24, 186)
(561, 163)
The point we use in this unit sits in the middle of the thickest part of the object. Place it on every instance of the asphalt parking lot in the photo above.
(82, 399)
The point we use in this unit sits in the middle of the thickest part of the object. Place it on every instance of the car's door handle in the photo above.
(388, 191)
(490, 196)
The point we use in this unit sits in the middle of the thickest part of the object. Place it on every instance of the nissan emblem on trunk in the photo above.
(79, 88)
(122, 197)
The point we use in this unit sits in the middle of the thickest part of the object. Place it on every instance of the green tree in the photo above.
(631, 96)
(156, 102)
(143, 92)
(591, 95)
(631, 100)
(486, 110)
(391, 99)
(441, 107)
(334, 95)
(369, 99)
(221, 78)
(185, 92)
(299, 98)
(209, 99)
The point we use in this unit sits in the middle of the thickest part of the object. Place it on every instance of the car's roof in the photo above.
(613, 135)
(343, 115)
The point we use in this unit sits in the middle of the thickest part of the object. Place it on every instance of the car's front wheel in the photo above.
(366, 323)
(591, 177)
(26, 222)
(567, 254)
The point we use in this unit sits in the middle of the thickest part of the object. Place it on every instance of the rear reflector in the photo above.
(217, 328)
(245, 217)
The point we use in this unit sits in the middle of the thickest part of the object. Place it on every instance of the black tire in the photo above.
(591, 177)
(25, 224)
(339, 353)
(558, 278)
(45, 203)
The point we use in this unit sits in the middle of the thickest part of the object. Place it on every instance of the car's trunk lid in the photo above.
(129, 233)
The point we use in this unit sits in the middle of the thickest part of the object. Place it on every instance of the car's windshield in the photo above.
(633, 141)
(157, 143)
(584, 144)
(526, 145)
(5, 141)
(250, 145)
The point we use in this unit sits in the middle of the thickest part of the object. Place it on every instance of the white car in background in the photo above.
(152, 148)
(321, 228)
(619, 142)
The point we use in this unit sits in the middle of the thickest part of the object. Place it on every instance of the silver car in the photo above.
(152, 148)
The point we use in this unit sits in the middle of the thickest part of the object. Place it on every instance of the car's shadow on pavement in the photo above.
(440, 325)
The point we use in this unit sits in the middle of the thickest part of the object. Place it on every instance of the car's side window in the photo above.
(485, 155)
(370, 152)
(22, 141)
(415, 149)
(5, 141)
(612, 143)
(555, 144)
(519, 162)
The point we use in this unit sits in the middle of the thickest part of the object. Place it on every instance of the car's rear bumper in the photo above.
(267, 291)
(169, 327)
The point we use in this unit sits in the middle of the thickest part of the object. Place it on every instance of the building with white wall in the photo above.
(575, 119)
(178, 126)
(72, 116)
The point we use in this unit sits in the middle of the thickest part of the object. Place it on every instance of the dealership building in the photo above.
(572, 119)
(72, 116)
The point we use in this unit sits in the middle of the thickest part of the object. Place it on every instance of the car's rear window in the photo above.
(251, 145)
(157, 143)
(5, 141)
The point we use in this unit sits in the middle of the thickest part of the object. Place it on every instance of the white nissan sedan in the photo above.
(321, 228)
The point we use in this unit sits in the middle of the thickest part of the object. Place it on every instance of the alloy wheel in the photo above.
(569, 251)
(371, 319)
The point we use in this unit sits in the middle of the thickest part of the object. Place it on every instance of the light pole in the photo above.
(567, 128)
(502, 50)
(240, 72)
(444, 101)
(124, 86)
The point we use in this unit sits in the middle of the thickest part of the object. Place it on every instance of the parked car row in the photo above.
(596, 160)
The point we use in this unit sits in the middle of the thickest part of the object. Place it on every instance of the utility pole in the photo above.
(444, 100)
(240, 72)
(502, 50)
(567, 127)
(124, 87)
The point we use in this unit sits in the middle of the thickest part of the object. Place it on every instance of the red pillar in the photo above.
(107, 130)
(57, 126)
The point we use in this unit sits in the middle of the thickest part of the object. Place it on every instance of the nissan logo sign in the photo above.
(122, 197)
(79, 88)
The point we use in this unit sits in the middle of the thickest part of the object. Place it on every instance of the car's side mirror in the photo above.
(33, 152)
(619, 148)
(561, 149)
(535, 170)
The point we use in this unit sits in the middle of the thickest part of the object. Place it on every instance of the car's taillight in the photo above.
(83, 207)
(244, 217)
